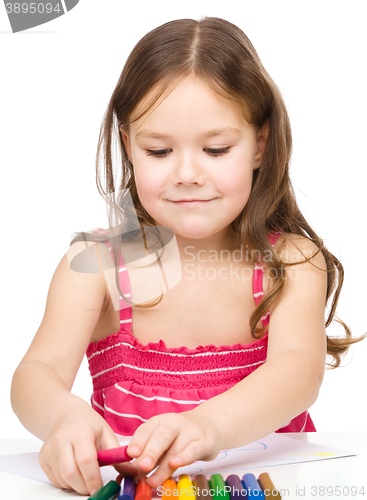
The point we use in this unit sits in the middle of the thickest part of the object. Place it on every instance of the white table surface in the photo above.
(333, 478)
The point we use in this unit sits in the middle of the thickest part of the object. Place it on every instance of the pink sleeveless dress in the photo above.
(133, 382)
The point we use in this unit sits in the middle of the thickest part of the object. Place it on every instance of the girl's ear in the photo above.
(262, 137)
(127, 140)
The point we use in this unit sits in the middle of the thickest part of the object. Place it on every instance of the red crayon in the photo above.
(113, 456)
(143, 490)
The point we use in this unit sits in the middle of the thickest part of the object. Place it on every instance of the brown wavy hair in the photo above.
(221, 54)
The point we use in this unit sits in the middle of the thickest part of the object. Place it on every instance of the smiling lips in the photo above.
(191, 203)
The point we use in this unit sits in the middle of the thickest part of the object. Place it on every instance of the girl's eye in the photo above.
(160, 153)
(217, 151)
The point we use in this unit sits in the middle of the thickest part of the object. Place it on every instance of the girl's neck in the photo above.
(197, 248)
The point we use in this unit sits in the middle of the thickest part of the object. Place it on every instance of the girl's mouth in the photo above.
(191, 203)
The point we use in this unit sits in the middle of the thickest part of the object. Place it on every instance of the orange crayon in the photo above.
(168, 490)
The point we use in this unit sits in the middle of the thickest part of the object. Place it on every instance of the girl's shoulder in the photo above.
(75, 300)
(297, 249)
(90, 252)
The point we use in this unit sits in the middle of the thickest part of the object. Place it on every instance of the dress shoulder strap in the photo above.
(273, 238)
(258, 279)
(124, 282)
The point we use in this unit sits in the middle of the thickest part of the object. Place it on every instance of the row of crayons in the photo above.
(216, 488)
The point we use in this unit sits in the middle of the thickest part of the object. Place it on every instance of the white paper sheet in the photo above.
(271, 451)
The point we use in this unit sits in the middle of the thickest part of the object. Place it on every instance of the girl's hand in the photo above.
(69, 454)
(173, 440)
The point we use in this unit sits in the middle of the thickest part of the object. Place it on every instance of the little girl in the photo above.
(236, 349)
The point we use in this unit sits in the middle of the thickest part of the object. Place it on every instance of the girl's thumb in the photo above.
(108, 439)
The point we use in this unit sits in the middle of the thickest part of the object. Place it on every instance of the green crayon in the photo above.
(218, 487)
(109, 491)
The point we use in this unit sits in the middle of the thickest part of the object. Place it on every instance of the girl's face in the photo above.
(193, 155)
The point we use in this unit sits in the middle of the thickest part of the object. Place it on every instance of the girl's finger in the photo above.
(163, 473)
(70, 472)
(160, 441)
(58, 482)
(165, 470)
(166, 467)
(127, 469)
(141, 437)
(192, 452)
(87, 463)
(180, 454)
(108, 439)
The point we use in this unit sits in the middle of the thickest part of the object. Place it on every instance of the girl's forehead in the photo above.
(158, 93)
(184, 96)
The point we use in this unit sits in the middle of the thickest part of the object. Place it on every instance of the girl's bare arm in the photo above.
(41, 386)
(43, 380)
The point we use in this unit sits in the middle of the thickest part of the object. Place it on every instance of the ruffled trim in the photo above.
(109, 341)
(161, 346)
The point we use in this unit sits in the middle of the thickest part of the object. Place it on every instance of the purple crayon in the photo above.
(234, 482)
(252, 486)
(128, 489)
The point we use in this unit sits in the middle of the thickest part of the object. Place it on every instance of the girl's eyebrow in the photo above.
(151, 134)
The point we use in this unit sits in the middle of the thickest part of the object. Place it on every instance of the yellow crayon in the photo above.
(186, 490)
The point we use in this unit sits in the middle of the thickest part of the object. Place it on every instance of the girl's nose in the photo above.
(188, 171)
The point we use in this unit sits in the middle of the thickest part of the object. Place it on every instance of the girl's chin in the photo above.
(196, 233)
(193, 230)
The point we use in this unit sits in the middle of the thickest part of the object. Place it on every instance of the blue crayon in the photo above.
(252, 486)
(128, 489)
(237, 490)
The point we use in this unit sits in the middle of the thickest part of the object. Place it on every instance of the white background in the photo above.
(56, 81)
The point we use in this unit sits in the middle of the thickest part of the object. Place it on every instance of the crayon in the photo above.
(234, 482)
(143, 490)
(155, 495)
(252, 486)
(113, 456)
(169, 489)
(128, 489)
(119, 478)
(218, 487)
(268, 487)
(202, 487)
(109, 491)
(185, 488)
